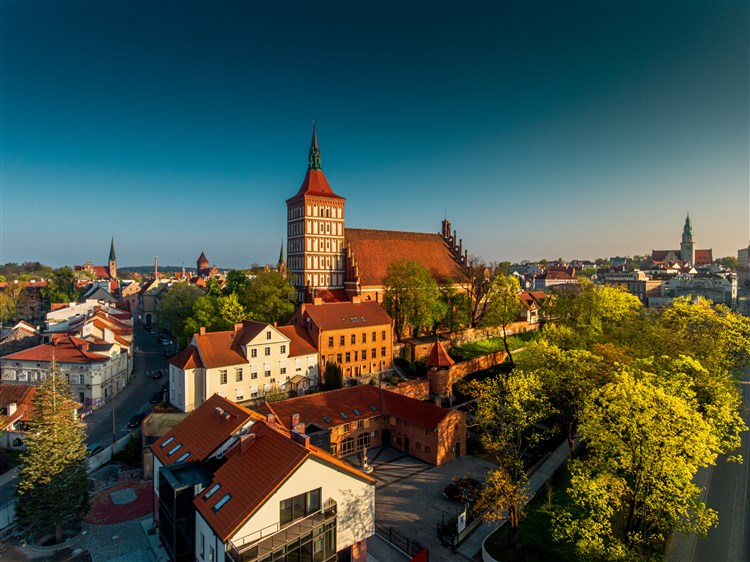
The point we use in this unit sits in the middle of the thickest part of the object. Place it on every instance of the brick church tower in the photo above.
(315, 232)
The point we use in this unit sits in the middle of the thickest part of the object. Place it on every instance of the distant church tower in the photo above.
(281, 266)
(315, 231)
(687, 246)
(202, 266)
(112, 263)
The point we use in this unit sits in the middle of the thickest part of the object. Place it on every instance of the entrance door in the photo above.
(386, 438)
(406, 445)
(458, 449)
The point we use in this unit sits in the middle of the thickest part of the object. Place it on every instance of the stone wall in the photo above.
(477, 334)
(419, 389)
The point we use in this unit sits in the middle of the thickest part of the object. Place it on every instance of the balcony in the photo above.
(262, 544)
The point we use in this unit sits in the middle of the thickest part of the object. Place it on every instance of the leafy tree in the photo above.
(7, 308)
(16, 296)
(476, 287)
(275, 393)
(175, 306)
(61, 286)
(230, 309)
(645, 445)
(53, 489)
(729, 262)
(333, 376)
(411, 297)
(236, 283)
(269, 297)
(508, 410)
(213, 287)
(503, 306)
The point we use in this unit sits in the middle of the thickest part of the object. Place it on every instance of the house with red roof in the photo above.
(356, 335)
(687, 255)
(233, 485)
(96, 370)
(243, 364)
(15, 413)
(347, 420)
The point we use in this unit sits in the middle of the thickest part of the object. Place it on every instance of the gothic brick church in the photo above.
(327, 260)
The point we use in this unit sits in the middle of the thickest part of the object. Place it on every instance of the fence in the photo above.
(411, 547)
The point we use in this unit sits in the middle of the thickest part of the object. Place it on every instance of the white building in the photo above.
(242, 364)
(249, 490)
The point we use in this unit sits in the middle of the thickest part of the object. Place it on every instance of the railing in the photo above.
(274, 536)
(404, 544)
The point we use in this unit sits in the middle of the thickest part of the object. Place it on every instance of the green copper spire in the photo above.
(313, 158)
(112, 256)
(688, 229)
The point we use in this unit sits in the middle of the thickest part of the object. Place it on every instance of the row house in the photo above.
(231, 485)
(347, 420)
(96, 370)
(15, 413)
(242, 364)
(356, 335)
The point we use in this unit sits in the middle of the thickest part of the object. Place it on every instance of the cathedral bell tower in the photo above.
(687, 246)
(315, 232)
(112, 262)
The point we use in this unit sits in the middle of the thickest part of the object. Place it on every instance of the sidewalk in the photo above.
(472, 546)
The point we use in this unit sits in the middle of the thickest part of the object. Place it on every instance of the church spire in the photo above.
(688, 229)
(313, 158)
(281, 253)
(112, 256)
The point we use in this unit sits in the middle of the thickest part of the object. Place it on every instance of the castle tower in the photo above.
(112, 263)
(687, 246)
(315, 231)
(202, 266)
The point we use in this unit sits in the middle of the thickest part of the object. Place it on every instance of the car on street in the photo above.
(156, 397)
(463, 490)
(94, 448)
(136, 419)
(152, 331)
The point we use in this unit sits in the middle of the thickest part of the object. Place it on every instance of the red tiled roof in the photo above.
(374, 250)
(332, 295)
(315, 183)
(202, 259)
(704, 257)
(438, 356)
(335, 316)
(203, 431)
(217, 349)
(66, 349)
(249, 331)
(299, 340)
(20, 394)
(188, 358)
(314, 408)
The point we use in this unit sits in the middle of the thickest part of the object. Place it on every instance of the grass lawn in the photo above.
(484, 347)
(535, 543)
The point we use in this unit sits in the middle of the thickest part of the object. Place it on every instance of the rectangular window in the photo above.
(282, 370)
(223, 376)
(354, 338)
(267, 351)
(253, 352)
(283, 348)
(330, 341)
(363, 440)
(364, 355)
(268, 335)
(238, 374)
(361, 424)
(382, 335)
(374, 336)
(267, 373)
(299, 506)
(338, 358)
(210, 553)
(254, 375)
(382, 352)
(364, 337)
(239, 394)
(203, 545)
(342, 341)
(348, 357)
(427, 449)
(418, 445)
(346, 428)
(254, 394)
(356, 355)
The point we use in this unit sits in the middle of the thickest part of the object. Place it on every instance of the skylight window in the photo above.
(343, 415)
(173, 451)
(357, 412)
(326, 419)
(373, 408)
(212, 491)
(222, 502)
(183, 457)
(363, 319)
(354, 318)
(167, 442)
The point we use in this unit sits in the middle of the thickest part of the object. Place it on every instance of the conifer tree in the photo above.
(53, 490)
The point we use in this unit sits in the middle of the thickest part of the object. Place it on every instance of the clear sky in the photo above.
(543, 130)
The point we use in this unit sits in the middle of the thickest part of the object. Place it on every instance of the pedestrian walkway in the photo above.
(472, 546)
(120, 503)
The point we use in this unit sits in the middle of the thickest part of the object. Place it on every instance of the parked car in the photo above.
(156, 374)
(94, 448)
(136, 419)
(153, 331)
(156, 397)
(463, 490)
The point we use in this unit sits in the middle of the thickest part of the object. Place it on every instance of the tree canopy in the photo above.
(411, 298)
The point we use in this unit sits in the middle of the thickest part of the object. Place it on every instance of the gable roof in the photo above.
(339, 315)
(218, 349)
(188, 358)
(250, 330)
(67, 349)
(374, 250)
(20, 394)
(299, 340)
(203, 431)
(368, 400)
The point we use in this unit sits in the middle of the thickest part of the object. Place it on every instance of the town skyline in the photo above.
(576, 131)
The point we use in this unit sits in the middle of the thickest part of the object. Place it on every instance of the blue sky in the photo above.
(544, 130)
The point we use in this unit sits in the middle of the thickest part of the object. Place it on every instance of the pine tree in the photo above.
(53, 489)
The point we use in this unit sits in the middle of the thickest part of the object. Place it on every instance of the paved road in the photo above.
(727, 492)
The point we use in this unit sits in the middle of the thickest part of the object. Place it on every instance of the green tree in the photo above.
(729, 262)
(175, 306)
(60, 286)
(503, 306)
(53, 489)
(236, 283)
(636, 486)
(213, 287)
(269, 297)
(508, 410)
(230, 309)
(275, 393)
(333, 376)
(411, 297)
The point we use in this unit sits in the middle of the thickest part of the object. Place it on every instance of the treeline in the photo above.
(651, 394)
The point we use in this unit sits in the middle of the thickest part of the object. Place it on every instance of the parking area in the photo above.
(409, 495)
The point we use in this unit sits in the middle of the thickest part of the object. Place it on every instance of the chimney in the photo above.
(275, 324)
(12, 407)
(301, 438)
(219, 412)
(246, 441)
(237, 327)
(438, 403)
(295, 419)
(202, 331)
(156, 265)
(317, 300)
(356, 299)
(299, 427)
(270, 419)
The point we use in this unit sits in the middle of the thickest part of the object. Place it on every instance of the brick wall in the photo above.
(419, 389)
